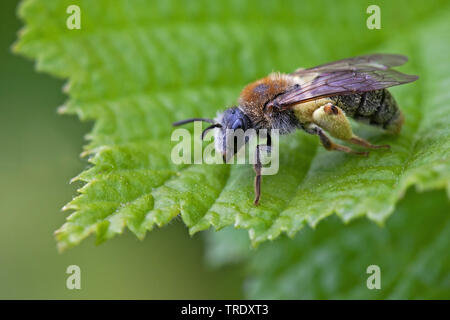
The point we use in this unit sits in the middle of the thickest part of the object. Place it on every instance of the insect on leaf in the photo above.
(134, 67)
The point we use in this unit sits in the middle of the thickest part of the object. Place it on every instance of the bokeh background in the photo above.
(39, 154)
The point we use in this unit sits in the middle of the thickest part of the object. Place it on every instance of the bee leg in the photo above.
(332, 119)
(329, 144)
(360, 141)
(257, 167)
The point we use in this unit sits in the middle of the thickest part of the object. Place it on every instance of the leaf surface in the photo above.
(331, 261)
(134, 67)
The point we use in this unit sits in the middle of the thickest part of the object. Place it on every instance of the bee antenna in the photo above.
(215, 125)
(179, 123)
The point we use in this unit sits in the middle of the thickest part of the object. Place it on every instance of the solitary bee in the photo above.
(317, 100)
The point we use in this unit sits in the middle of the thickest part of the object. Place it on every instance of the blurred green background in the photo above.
(39, 155)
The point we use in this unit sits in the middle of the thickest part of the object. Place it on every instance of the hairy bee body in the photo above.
(377, 107)
(319, 100)
(255, 96)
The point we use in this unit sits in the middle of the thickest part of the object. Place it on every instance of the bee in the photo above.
(318, 100)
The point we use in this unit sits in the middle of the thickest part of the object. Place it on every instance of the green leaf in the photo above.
(331, 261)
(136, 66)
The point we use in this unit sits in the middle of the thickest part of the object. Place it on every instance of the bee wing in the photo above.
(354, 75)
(372, 61)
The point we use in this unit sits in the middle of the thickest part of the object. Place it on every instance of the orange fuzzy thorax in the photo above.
(265, 89)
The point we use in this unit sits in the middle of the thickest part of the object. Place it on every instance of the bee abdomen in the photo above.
(376, 107)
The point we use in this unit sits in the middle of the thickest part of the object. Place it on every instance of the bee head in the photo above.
(230, 120)
(226, 123)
